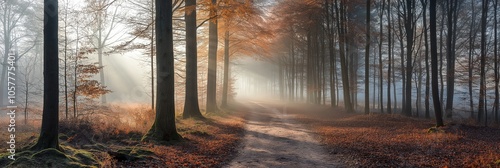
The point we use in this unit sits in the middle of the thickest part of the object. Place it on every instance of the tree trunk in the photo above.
(472, 37)
(450, 58)
(381, 73)
(367, 59)
(496, 103)
(212, 61)
(75, 76)
(225, 83)
(434, 67)
(100, 48)
(409, 53)
(340, 12)
(389, 42)
(66, 60)
(49, 133)
(191, 107)
(152, 54)
(164, 128)
(427, 75)
(441, 53)
(482, 85)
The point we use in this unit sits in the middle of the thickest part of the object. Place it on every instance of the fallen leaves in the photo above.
(383, 140)
(208, 143)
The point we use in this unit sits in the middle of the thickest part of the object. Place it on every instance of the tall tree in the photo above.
(435, 90)
(49, 133)
(409, 28)
(212, 59)
(389, 43)
(340, 12)
(496, 103)
(427, 73)
(106, 21)
(482, 74)
(472, 38)
(380, 66)
(450, 55)
(65, 60)
(367, 59)
(225, 85)
(191, 107)
(164, 128)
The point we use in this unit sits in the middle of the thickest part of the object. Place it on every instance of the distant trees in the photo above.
(12, 17)
(102, 31)
(402, 30)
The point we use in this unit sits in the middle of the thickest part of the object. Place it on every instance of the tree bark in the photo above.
(427, 73)
(191, 107)
(367, 59)
(49, 133)
(389, 42)
(450, 58)
(434, 67)
(409, 53)
(496, 103)
(164, 128)
(212, 60)
(472, 38)
(381, 73)
(340, 12)
(482, 85)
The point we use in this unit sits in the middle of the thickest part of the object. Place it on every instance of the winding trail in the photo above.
(274, 139)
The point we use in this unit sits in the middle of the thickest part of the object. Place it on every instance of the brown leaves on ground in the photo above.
(208, 143)
(384, 140)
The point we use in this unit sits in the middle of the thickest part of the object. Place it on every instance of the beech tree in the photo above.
(212, 60)
(191, 107)
(434, 67)
(482, 74)
(164, 128)
(49, 133)
(367, 59)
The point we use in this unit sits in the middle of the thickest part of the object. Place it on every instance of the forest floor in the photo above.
(384, 140)
(211, 142)
(263, 135)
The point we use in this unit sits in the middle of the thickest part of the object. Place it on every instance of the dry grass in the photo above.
(207, 143)
(383, 140)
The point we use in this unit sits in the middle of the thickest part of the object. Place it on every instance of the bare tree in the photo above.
(367, 59)
(434, 67)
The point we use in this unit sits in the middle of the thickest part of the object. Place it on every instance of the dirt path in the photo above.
(274, 139)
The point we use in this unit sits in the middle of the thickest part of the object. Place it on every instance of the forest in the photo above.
(249, 83)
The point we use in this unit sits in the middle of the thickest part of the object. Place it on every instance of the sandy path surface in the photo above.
(274, 139)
